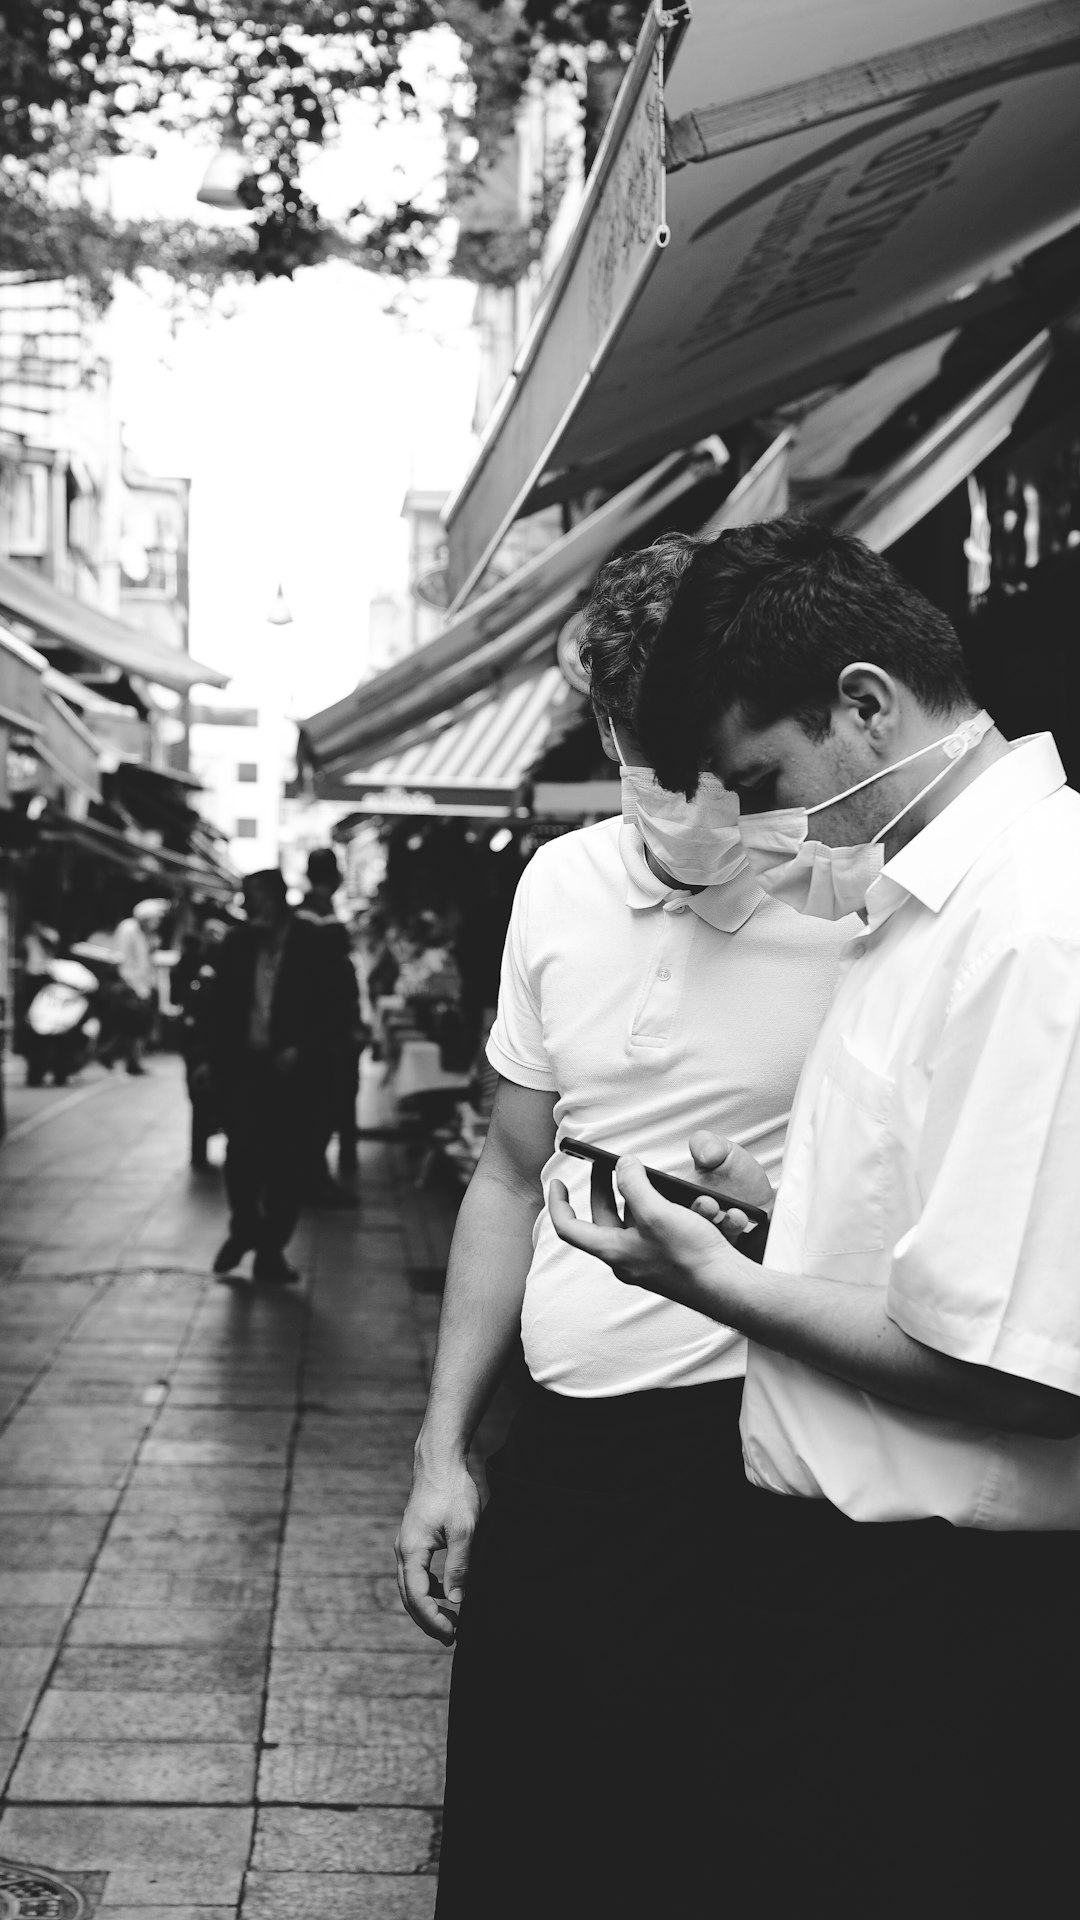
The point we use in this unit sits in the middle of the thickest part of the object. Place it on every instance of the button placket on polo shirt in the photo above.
(661, 990)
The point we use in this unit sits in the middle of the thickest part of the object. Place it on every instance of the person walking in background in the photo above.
(133, 1010)
(270, 1021)
(191, 988)
(336, 1076)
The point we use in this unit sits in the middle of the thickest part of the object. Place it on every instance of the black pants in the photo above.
(907, 1733)
(268, 1128)
(589, 1750)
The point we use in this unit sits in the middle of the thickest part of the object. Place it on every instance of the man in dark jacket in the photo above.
(273, 995)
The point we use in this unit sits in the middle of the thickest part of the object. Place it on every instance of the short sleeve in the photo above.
(990, 1272)
(515, 1045)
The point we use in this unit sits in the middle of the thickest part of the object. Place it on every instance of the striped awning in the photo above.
(474, 766)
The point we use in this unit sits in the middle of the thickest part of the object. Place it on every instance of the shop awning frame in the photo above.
(58, 617)
(945, 456)
(501, 631)
(880, 192)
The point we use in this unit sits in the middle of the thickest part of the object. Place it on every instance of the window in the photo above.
(248, 772)
(247, 829)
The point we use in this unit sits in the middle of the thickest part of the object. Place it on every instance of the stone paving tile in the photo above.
(162, 1588)
(394, 1774)
(295, 1674)
(8, 1751)
(154, 1856)
(160, 1670)
(320, 1840)
(30, 1626)
(168, 1627)
(49, 1540)
(22, 1672)
(27, 1498)
(40, 1587)
(230, 1717)
(209, 1553)
(167, 1771)
(114, 1912)
(338, 1896)
(365, 1631)
(338, 1720)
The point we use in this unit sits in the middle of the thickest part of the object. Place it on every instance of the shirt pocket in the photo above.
(846, 1200)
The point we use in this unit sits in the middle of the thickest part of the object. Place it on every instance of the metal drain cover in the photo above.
(36, 1893)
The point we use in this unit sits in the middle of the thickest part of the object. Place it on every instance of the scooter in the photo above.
(62, 1031)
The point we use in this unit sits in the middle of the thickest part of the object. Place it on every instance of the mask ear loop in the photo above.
(955, 745)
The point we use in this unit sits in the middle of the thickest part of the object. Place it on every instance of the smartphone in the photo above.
(682, 1192)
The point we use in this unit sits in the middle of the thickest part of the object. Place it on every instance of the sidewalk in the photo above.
(211, 1699)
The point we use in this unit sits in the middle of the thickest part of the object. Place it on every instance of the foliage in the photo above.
(79, 79)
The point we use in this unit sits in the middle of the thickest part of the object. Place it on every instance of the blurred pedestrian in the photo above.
(133, 1002)
(191, 988)
(336, 1078)
(271, 1010)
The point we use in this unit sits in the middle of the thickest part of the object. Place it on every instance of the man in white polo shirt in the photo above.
(911, 1420)
(649, 989)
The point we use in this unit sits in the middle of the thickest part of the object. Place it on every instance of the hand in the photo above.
(669, 1250)
(443, 1510)
(734, 1173)
(287, 1060)
(733, 1170)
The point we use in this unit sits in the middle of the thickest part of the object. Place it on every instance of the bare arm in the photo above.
(485, 1286)
(842, 1330)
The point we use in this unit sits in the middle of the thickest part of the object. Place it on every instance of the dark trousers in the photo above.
(907, 1736)
(266, 1120)
(589, 1754)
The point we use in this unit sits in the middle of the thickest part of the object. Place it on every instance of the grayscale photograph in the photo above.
(493, 493)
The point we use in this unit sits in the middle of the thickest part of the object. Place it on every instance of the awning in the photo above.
(56, 616)
(73, 754)
(191, 872)
(22, 701)
(844, 182)
(498, 633)
(474, 767)
(943, 458)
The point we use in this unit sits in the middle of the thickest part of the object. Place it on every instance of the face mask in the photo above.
(696, 841)
(830, 882)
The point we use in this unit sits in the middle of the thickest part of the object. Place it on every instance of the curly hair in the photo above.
(624, 615)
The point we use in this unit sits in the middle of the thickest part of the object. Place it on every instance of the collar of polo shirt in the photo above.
(726, 907)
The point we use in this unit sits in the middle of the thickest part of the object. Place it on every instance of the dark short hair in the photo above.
(265, 880)
(769, 615)
(323, 869)
(626, 610)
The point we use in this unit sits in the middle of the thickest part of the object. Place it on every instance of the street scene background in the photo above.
(338, 352)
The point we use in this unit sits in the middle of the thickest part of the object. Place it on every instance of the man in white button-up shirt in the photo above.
(649, 988)
(914, 1332)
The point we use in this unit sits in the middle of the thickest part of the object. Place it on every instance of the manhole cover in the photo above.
(35, 1893)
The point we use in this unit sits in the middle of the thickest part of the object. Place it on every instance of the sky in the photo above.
(301, 411)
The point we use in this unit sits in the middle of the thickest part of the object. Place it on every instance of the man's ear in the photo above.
(869, 698)
(603, 727)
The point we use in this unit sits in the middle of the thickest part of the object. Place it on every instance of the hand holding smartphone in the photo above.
(682, 1193)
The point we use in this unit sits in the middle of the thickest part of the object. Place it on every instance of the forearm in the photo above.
(481, 1314)
(845, 1331)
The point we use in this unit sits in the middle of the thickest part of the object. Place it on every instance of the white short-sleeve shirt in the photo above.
(650, 1011)
(934, 1154)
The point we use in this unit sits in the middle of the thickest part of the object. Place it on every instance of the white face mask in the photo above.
(696, 841)
(830, 882)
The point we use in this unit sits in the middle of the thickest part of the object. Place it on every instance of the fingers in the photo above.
(414, 1581)
(602, 1242)
(456, 1570)
(605, 1213)
(709, 1150)
(634, 1185)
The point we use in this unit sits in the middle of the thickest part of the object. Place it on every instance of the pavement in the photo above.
(210, 1699)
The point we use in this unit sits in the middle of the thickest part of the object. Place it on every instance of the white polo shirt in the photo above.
(934, 1154)
(650, 1011)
